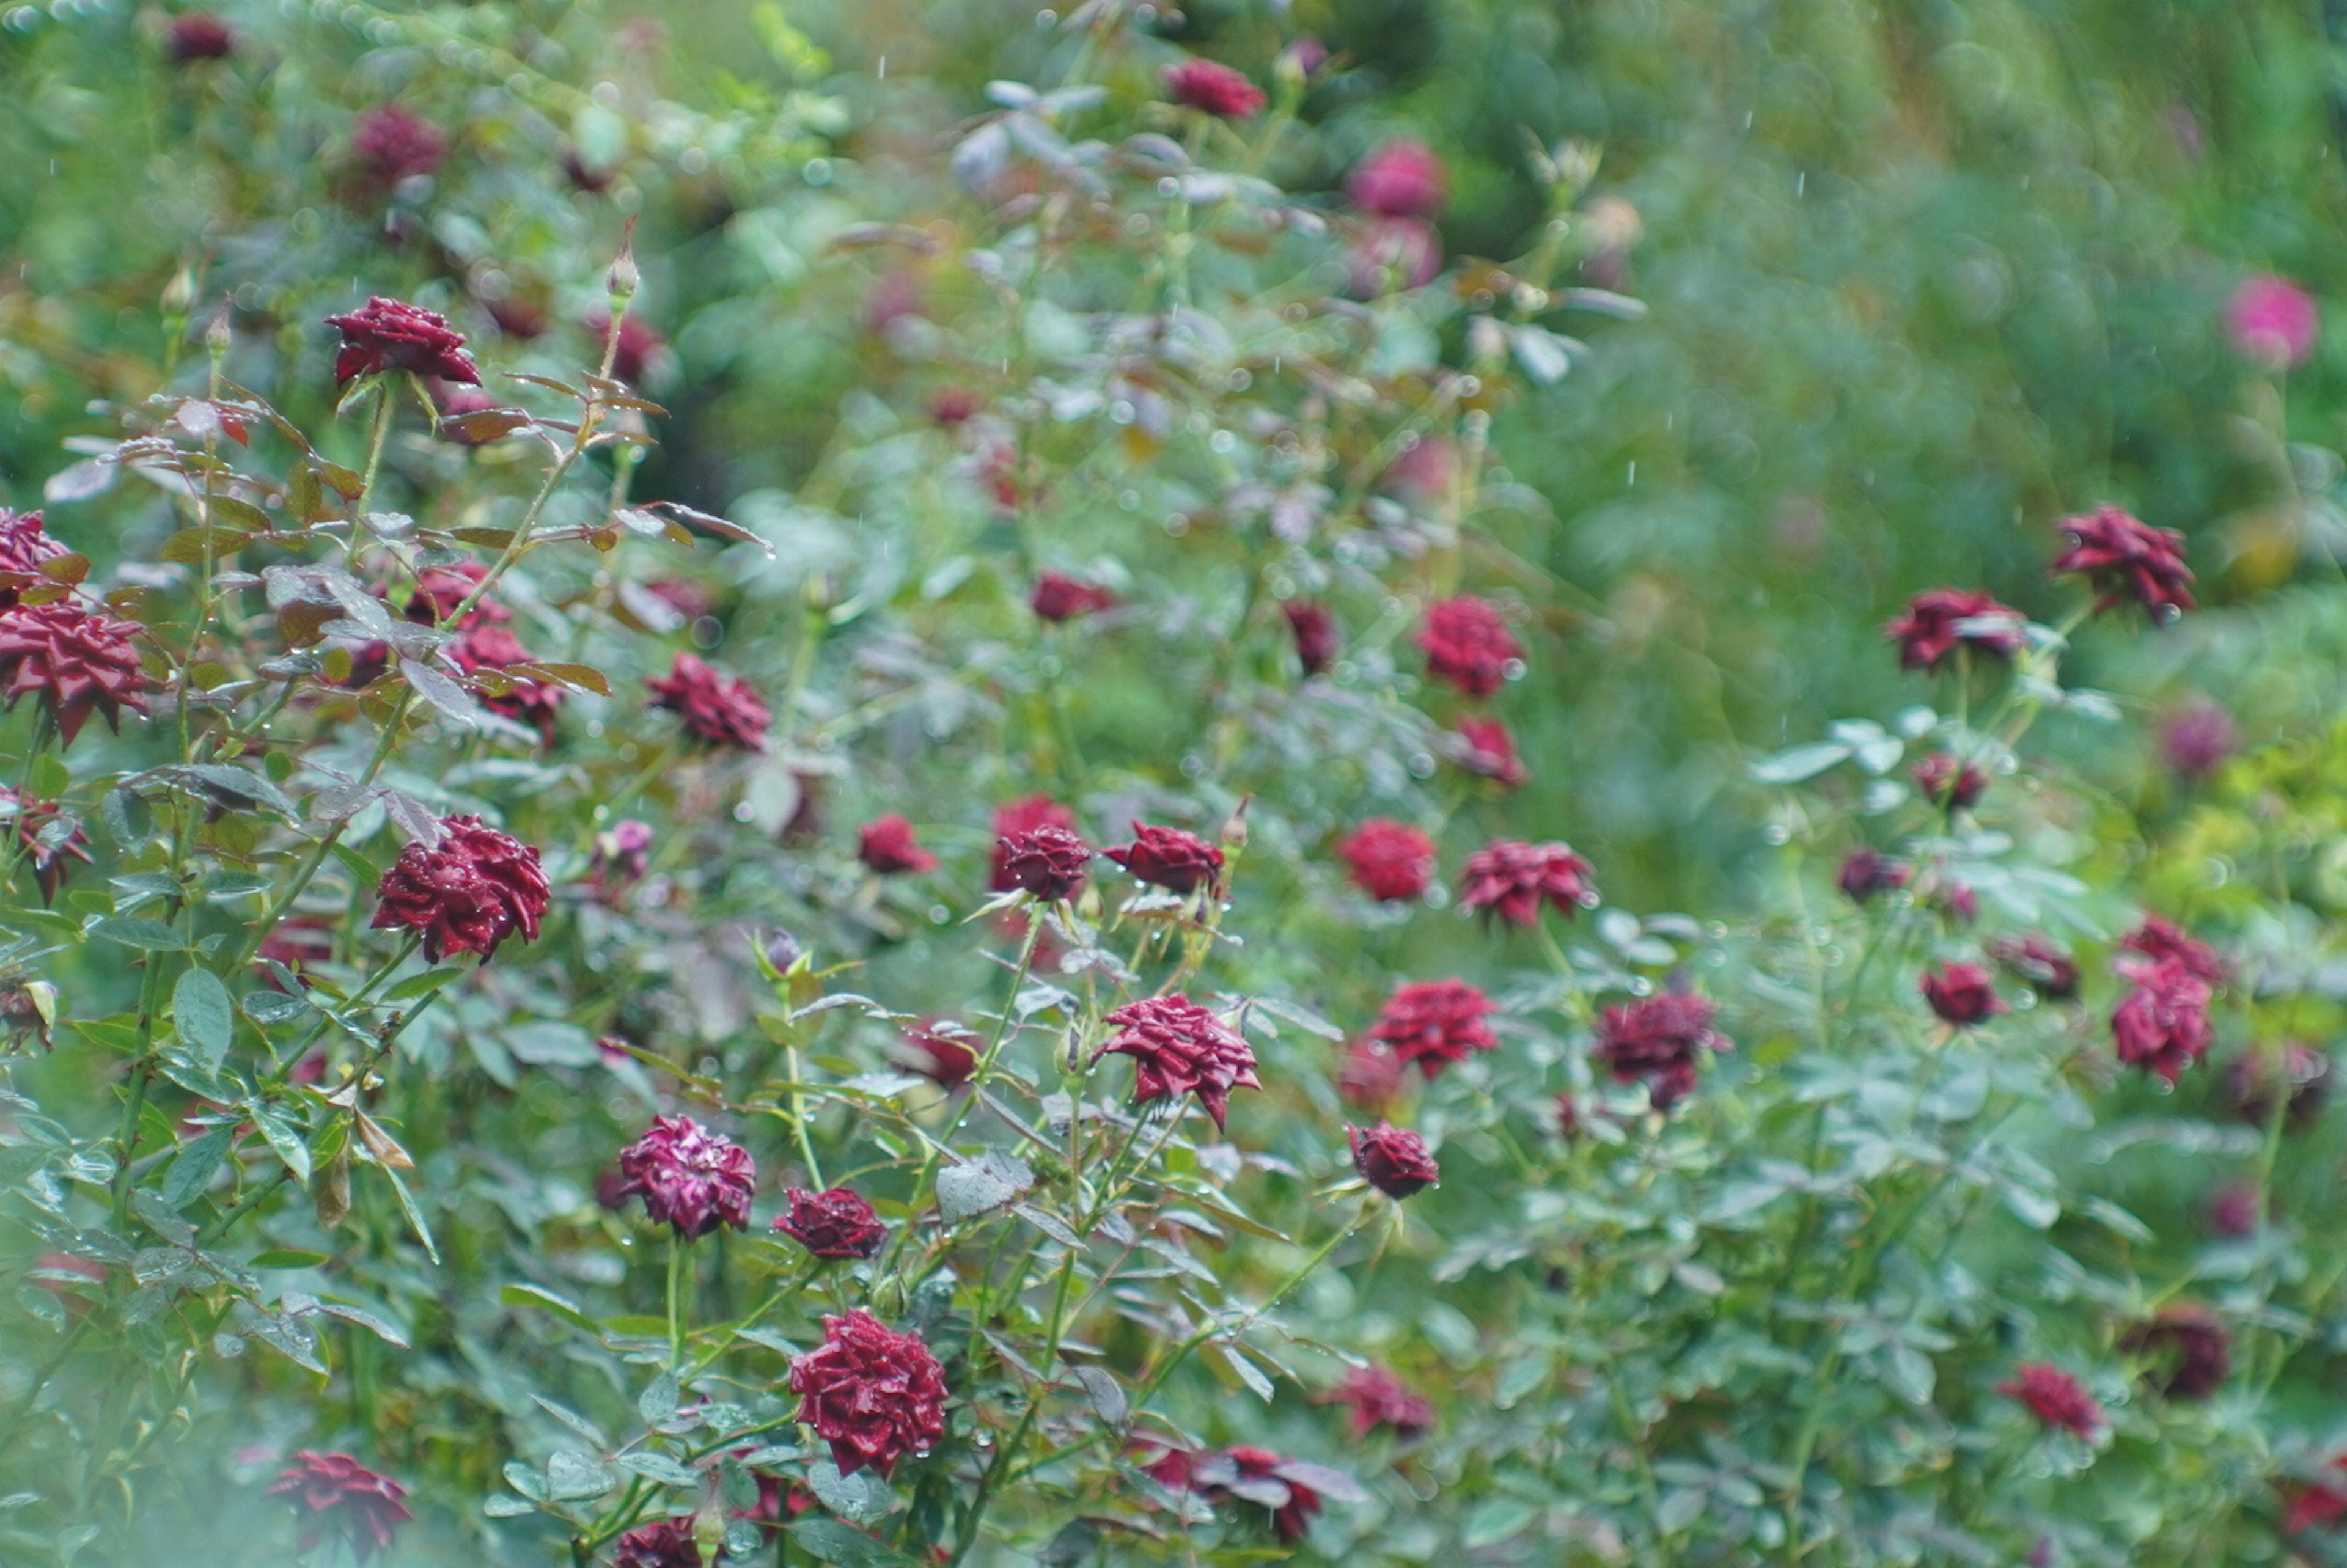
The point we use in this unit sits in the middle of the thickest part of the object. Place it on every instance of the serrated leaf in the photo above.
(193, 1167)
(204, 1015)
(161, 1218)
(574, 1421)
(990, 1182)
(657, 1468)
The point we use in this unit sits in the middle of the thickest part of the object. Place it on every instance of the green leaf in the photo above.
(415, 1216)
(547, 1301)
(657, 1404)
(829, 1540)
(657, 1468)
(422, 985)
(993, 1181)
(287, 1257)
(1795, 763)
(283, 1138)
(48, 778)
(1495, 1521)
(204, 1014)
(132, 932)
(193, 1166)
(574, 1421)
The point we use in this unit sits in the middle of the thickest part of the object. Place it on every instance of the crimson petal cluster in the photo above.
(342, 1498)
(1179, 1048)
(836, 1223)
(466, 892)
(873, 1394)
(1511, 877)
(73, 662)
(691, 1180)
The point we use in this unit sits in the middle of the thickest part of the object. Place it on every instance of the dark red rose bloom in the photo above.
(663, 1543)
(1048, 863)
(1264, 1478)
(1369, 1076)
(525, 700)
(440, 589)
(50, 840)
(2189, 1349)
(1868, 873)
(1379, 1399)
(1960, 994)
(2157, 942)
(1399, 179)
(944, 1059)
(640, 345)
(1314, 630)
(887, 846)
(23, 547)
(2234, 1209)
(1658, 1040)
(2127, 560)
(2196, 741)
(1389, 861)
(386, 335)
(1016, 819)
(1485, 747)
(1213, 88)
(1179, 1047)
(2038, 964)
(1434, 1023)
(2255, 1077)
(2055, 1398)
(1466, 643)
(1058, 597)
(1946, 783)
(1510, 878)
(691, 1179)
(337, 1496)
(952, 406)
(832, 1224)
(2162, 1026)
(875, 1396)
(1394, 1160)
(466, 893)
(2313, 1505)
(392, 145)
(198, 35)
(1954, 902)
(721, 712)
(1930, 628)
(73, 662)
(1170, 858)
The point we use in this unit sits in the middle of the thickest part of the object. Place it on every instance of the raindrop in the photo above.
(1047, 17)
(939, 914)
(1421, 764)
(1775, 833)
(1640, 986)
(1137, 224)
(1177, 524)
(1513, 669)
(1169, 186)
(1222, 441)
(741, 812)
(1241, 379)
(1121, 411)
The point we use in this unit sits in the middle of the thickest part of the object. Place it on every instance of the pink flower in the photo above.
(1170, 858)
(2124, 558)
(2271, 322)
(1484, 746)
(887, 846)
(466, 892)
(1393, 1159)
(340, 1497)
(1211, 88)
(1049, 863)
(1466, 643)
(622, 854)
(691, 1179)
(1933, 625)
(2162, 1026)
(386, 335)
(719, 711)
(2055, 1398)
(1016, 819)
(1511, 877)
(1179, 1047)
(1391, 861)
(391, 145)
(2196, 741)
(873, 1395)
(2157, 942)
(1434, 1023)
(837, 1223)
(1399, 178)
(1315, 634)
(1658, 1040)
(1379, 1399)
(1960, 994)
(1058, 598)
(73, 663)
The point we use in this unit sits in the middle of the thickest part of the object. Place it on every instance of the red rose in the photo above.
(952, 406)
(2039, 965)
(1485, 747)
(1948, 784)
(1369, 1076)
(663, 1543)
(1658, 1040)
(1400, 179)
(340, 1497)
(944, 1059)
(1389, 861)
(1016, 819)
(2234, 1209)
(1379, 1399)
(1179, 1047)
(719, 711)
(385, 335)
(1434, 1023)
(2055, 1398)
(2315, 1502)
(1933, 625)
(23, 547)
(390, 145)
(441, 590)
(2157, 942)
(50, 840)
(1170, 858)
(1466, 643)
(1866, 872)
(1393, 1159)
(198, 35)
(875, 1396)
(1049, 863)
(2297, 1071)
(1058, 598)
(691, 1179)
(887, 846)
(837, 1223)
(1314, 630)
(1960, 994)
(2191, 1349)
(529, 702)
(466, 893)
(1213, 88)
(74, 663)
(1263, 1478)
(2124, 560)
(2162, 1026)
(2196, 741)
(1511, 877)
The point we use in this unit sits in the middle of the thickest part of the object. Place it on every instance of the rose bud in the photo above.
(2193, 1355)
(1948, 784)
(837, 1223)
(1960, 994)
(1170, 858)
(1867, 873)
(1049, 863)
(1059, 598)
(1393, 1159)
(1933, 625)
(1314, 630)
(1211, 88)
(887, 846)
(390, 145)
